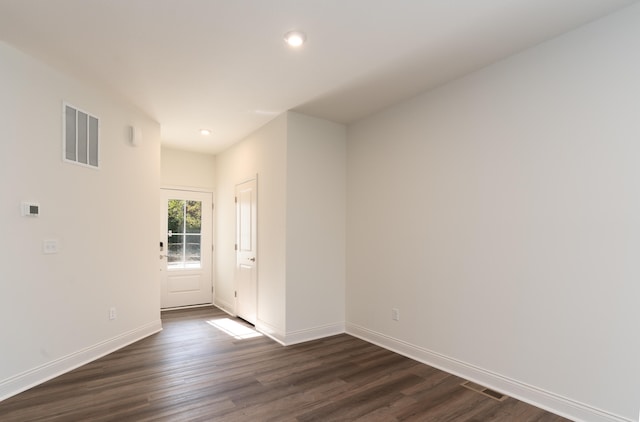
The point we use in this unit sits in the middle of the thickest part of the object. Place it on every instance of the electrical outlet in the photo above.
(395, 314)
(112, 313)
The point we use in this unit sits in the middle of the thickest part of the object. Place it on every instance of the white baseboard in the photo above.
(555, 403)
(270, 331)
(224, 306)
(299, 336)
(28, 379)
(309, 334)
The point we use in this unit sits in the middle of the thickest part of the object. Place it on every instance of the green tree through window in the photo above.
(184, 225)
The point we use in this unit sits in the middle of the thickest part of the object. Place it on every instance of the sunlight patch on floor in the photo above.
(234, 328)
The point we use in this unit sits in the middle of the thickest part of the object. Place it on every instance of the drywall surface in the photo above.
(185, 169)
(299, 162)
(263, 156)
(316, 232)
(55, 307)
(500, 215)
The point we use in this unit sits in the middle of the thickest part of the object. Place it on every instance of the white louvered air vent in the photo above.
(80, 137)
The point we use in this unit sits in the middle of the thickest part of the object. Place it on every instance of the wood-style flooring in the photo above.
(193, 371)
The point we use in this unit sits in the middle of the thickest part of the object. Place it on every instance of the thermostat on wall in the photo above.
(30, 209)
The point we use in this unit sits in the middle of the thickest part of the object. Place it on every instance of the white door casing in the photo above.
(246, 251)
(186, 248)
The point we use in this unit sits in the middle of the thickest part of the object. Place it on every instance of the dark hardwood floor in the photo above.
(193, 371)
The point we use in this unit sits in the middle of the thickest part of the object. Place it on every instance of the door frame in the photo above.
(213, 238)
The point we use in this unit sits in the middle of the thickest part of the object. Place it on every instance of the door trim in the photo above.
(188, 189)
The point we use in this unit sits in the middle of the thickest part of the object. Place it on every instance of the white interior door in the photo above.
(186, 248)
(246, 251)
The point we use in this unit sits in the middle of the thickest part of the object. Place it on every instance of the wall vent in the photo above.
(80, 137)
(484, 391)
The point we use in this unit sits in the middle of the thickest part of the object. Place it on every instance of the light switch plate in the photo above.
(50, 246)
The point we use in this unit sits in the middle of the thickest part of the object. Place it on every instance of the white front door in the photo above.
(186, 248)
(246, 247)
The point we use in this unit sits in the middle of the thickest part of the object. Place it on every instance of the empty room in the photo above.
(307, 210)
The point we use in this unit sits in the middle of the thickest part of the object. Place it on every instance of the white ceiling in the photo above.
(223, 65)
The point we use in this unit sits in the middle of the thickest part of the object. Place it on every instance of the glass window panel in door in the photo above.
(175, 251)
(184, 222)
(176, 216)
(192, 251)
(193, 216)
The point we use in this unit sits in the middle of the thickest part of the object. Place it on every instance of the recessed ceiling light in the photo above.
(295, 38)
(205, 132)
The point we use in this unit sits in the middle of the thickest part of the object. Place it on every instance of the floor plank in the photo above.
(193, 371)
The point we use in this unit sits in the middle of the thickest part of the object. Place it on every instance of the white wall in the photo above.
(263, 154)
(185, 169)
(316, 233)
(500, 214)
(300, 166)
(54, 308)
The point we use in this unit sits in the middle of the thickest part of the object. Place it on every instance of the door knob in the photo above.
(252, 259)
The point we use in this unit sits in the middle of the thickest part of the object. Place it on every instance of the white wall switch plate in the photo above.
(50, 246)
(395, 314)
